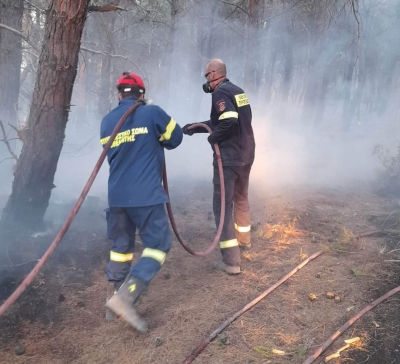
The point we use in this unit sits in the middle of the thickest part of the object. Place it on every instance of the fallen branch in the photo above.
(222, 327)
(19, 264)
(387, 217)
(337, 353)
(368, 234)
(7, 143)
(350, 322)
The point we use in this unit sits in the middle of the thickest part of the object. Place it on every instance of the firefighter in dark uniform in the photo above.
(230, 122)
(136, 197)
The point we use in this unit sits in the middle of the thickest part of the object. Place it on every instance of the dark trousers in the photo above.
(236, 229)
(154, 232)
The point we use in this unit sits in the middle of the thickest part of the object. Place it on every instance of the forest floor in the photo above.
(60, 317)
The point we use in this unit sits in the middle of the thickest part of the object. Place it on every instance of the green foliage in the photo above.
(390, 162)
(263, 351)
(356, 272)
(302, 351)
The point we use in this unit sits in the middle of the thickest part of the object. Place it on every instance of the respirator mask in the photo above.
(207, 87)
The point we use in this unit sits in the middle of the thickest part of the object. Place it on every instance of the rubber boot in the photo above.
(112, 288)
(122, 303)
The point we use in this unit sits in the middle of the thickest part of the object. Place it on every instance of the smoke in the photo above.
(325, 89)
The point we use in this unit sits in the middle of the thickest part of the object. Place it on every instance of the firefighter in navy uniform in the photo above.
(136, 197)
(230, 122)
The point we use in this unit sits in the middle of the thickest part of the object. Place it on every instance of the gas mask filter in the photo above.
(207, 88)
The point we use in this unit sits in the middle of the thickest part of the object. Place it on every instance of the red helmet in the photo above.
(130, 79)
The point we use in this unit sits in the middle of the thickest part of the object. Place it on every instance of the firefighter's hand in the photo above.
(186, 131)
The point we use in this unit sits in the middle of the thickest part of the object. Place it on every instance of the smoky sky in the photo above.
(293, 145)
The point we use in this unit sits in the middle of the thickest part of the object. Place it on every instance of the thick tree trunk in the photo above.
(11, 12)
(48, 116)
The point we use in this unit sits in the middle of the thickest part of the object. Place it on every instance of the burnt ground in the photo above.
(60, 318)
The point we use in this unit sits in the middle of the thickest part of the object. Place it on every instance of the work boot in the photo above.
(112, 288)
(228, 269)
(245, 246)
(122, 303)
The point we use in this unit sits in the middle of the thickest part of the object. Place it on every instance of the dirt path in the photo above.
(61, 317)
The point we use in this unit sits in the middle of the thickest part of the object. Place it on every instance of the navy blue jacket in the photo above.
(230, 122)
(136, 156)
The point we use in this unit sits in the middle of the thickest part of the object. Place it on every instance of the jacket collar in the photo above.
(127, 100)
(223, 81)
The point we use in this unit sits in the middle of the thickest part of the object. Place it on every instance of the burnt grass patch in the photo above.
(83, 249)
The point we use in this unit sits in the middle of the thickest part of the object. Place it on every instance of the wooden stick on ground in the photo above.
(350, 322)
(222, 327)
(337, 353)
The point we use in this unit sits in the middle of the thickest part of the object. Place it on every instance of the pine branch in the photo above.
(7, 143)
(104, 53)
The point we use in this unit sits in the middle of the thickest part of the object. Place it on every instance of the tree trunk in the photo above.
(320, 100)
(287, 74)
(107, 23)
(386, 87)
(269, 75)
(34, 175)
(170, 52)
(310, 91)
(251, 74)
(11, 12)
(348, 82)
(357, 97)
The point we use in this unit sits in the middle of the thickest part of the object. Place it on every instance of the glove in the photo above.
(186, 131)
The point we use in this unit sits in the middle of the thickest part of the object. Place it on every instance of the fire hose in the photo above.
(222, 215)
(31, 276)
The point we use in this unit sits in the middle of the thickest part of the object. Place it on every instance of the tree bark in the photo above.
(34, 175)
(11, 12)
